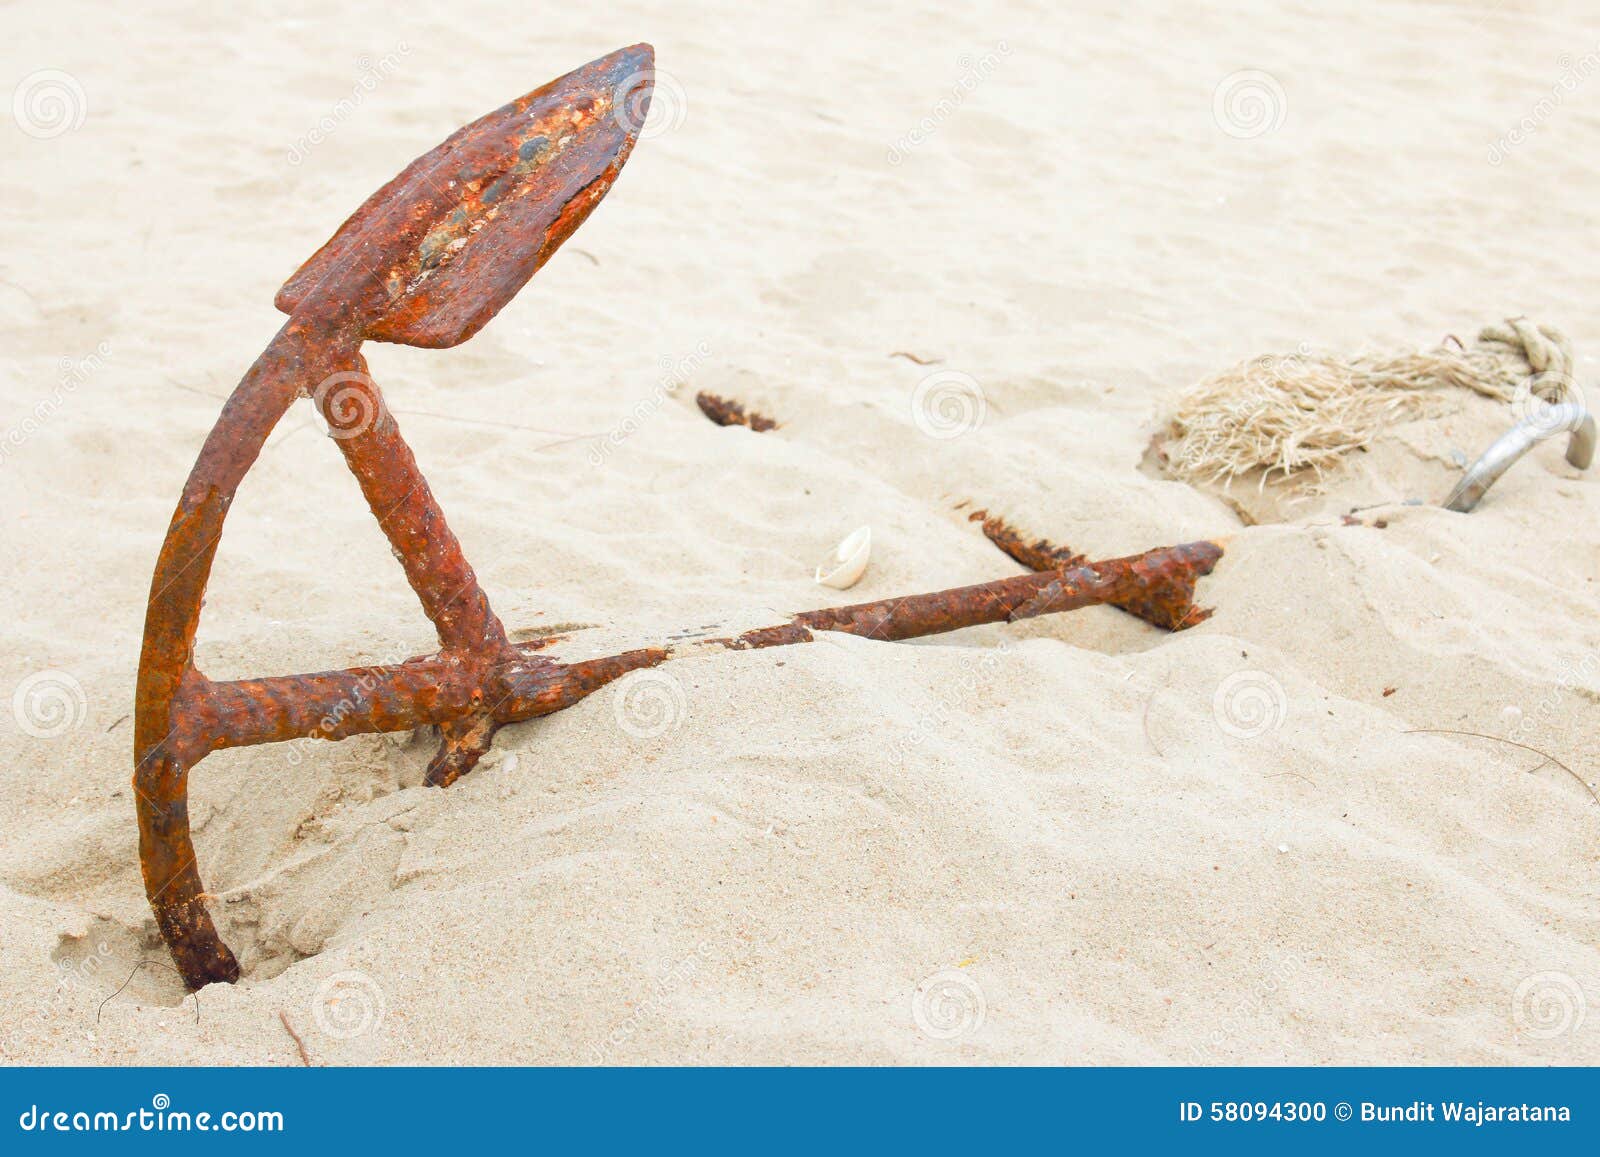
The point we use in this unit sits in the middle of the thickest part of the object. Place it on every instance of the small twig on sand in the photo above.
(914, 358)
(1513, 743)
(288, 1027)
(131, 975)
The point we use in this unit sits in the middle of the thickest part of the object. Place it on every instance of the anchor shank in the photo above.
(392, 483)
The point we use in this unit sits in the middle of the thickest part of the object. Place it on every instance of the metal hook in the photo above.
(1517, 441)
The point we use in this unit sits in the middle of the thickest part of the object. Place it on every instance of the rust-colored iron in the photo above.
(1172, 607)
(427, 261)
(727, 412)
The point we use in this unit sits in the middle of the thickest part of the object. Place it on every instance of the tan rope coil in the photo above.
(1284, 414)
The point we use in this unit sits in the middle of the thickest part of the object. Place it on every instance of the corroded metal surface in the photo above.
(428, 261)
(1168, 603)
(435, 253)
(521, 683)
(1035, 554)
(727, 412)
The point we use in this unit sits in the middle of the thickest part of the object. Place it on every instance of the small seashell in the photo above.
(847, 562)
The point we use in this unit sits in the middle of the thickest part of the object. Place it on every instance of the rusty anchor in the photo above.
(428, 260)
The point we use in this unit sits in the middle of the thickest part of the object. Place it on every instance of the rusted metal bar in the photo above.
(166, 661)
(396, 491)
(391, 482)
(1170, 606)
(427, 261)
(524, 684)
(727, 412)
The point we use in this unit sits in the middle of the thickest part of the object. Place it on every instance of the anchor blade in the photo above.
(438, 251)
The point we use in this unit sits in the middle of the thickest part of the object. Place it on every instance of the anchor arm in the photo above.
(300, 352)
(524, 684)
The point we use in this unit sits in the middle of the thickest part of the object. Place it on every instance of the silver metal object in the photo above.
(1514, 443)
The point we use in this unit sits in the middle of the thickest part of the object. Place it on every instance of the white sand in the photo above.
(1061, 815)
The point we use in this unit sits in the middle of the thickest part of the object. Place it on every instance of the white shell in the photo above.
(847, 562)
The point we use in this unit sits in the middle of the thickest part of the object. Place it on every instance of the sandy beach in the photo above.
(965, 260)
